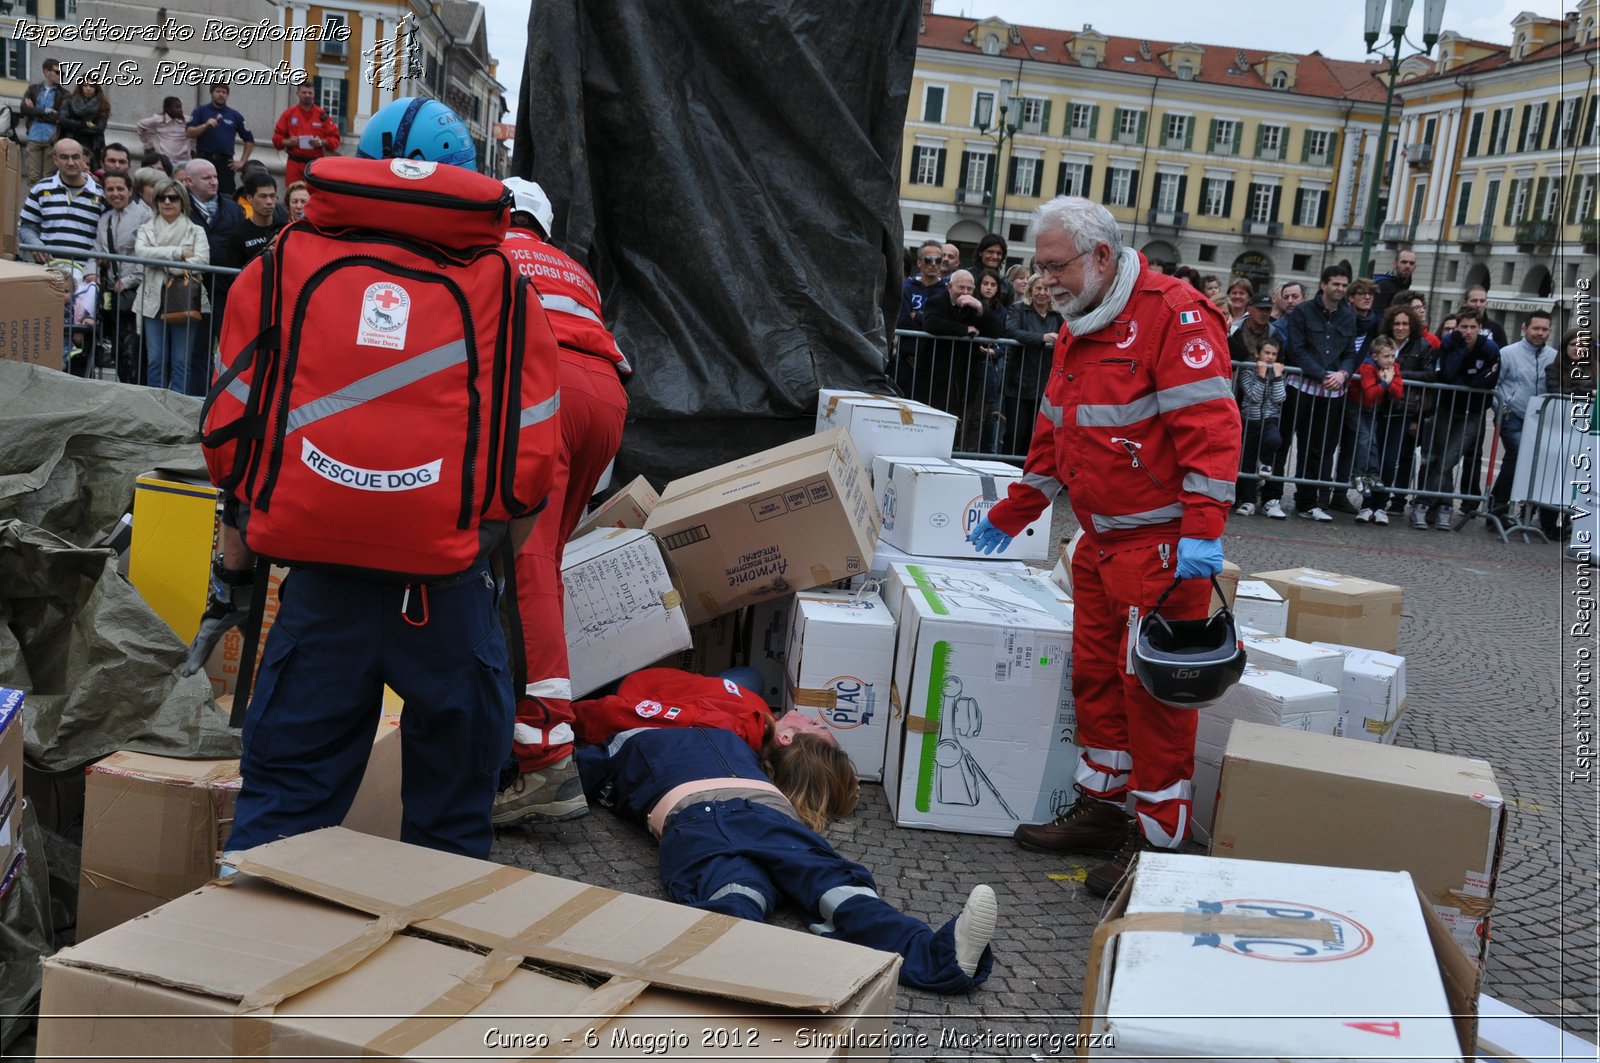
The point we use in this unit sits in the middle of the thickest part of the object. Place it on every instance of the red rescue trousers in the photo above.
(1130, 741)
(593, 408)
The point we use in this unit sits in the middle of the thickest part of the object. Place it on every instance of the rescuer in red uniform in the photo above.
(1139, 425)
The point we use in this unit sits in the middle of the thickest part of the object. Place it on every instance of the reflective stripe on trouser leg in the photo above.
(1103, 773)
(735, 889)
(559, 735)
(1164, 814)
(831, 900)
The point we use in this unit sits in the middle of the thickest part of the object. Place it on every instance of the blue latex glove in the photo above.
(987, 539)
(1199, 558)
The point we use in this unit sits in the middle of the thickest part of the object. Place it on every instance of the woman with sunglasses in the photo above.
(174, 347)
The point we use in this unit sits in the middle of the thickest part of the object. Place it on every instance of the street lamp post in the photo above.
(1399, 17)
(998, 131)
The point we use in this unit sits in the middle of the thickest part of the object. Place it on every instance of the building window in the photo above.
(1033, 111)
(1186, 71)
(1491, 196)
(1300, 263)
(1507, 272)
(1018, 233)
(1583, 202)
(1214, 196)
(1567, 123)
(1024, 172)
(1270, 142)
(1177, 132)
(1517, 209)
(1074, 180)
(1130, 123)
(1261, 197)
(1280, 80)
(982, 109)
(991, 44)
(1472, 137)
(1082, 121)
(67, 9)
(1310, 212)
(1169, 192)
(1225, 137)
(1429, 128)
(1120, 192)
(928, 169)
(977, 175)
(1549, 208)
(333, 44)
(933, 104)
(920, 222)
(1317, 144)
(1463, 201)
(1500, 133)
(1452, 269)
(16, 60)
(1208, 252)
(331, 97)
(1533, 127)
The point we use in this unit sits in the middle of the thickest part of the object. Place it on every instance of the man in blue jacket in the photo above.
(1322, 345)
(213, 127)
(1468, 358)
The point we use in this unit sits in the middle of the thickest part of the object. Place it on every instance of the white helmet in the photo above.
(529, 198)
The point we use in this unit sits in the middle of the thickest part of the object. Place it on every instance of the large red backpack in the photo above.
(386, 387)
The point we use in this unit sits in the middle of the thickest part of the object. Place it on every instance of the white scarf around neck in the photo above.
(1114, 300)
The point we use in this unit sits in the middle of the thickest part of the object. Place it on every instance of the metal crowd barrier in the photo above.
(1437, 449)
(109, 345)
(1554, 467)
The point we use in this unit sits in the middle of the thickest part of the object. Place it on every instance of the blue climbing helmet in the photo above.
(416, 127)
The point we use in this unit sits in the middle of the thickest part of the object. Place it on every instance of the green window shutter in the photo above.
(1305, 146)
(1038, 178)
(1105, 190)
(1249, 199)
(1545, 131)
(1143, 117)
(1277, 197)
(1572, 204)
(1088, 182)
(1011, 174)
(1183, 190)
(1322, 210)
(1188, 135)
(1094, 123)
(1472, 137)
(1536, 201)
(316, 86)
(1133, 188)
(990, 166)
(1227, 198)
(1463, 201)
(938, 168)
(1299, 204)
(1155, 192)
(1555, 197)
(1261, 136)
(1061, 179)
(1333, 154)
(1044, 118)
(344, 103)
(1494, 132)
(1211, 138)
(1522, 133)
(966, 164)
(1511, 200)
(1238, 138)
(1589, 126)
(1116, 122)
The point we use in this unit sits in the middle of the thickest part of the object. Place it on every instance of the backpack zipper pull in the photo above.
(1165, 550)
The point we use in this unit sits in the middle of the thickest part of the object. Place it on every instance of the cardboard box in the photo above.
(880, 424)
(1273, 699)
(154, 826)
(1293, 657)
(622, 611)
(175, 536)
(713, 648)
(1508, 1035)
(628, 508)
(887, 555)
(288, 960)
(1325, 962)
(1327, 607)
(11, 196)
(1373, 696)
(31, 309)
(787, 519)
(764, 644)
(10, 783)
(840, 667)
(930, 505)
(1316, 799)
(982, 666)
(1258, 607)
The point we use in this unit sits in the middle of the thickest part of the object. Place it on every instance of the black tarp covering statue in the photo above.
(729, 171)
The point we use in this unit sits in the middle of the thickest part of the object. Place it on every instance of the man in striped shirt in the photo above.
(62, 211)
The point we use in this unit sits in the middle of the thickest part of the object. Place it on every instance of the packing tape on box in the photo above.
(1182, 923)
(709, 603)
(444, 1010)
(814, 697)
(1340, 612)
(906, 414)
(896, 709)
(1468, 904)
(921, 725)
(671, 600)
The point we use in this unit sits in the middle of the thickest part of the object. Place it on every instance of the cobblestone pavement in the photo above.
(1484, 633)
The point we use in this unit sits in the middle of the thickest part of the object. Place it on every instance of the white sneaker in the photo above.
(975, 928)
(1275, 510)
(1246, 509)
(1365, 516)
(1380, 517)
(1318, 514)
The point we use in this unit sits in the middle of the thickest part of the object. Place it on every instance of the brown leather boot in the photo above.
(1091, 827)
(1100, 881)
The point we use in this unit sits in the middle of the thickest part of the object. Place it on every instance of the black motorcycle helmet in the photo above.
(1188, 664)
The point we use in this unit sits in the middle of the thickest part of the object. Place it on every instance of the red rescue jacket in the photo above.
(568, 295)
(667, 697)
(1138, 423)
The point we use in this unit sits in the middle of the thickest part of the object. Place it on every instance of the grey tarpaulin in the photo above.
(729, 170)
(71, 448)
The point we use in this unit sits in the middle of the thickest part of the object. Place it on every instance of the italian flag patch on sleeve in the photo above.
(1189, 317)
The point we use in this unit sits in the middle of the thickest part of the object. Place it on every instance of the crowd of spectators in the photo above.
(1348, 397)
(193, 197)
